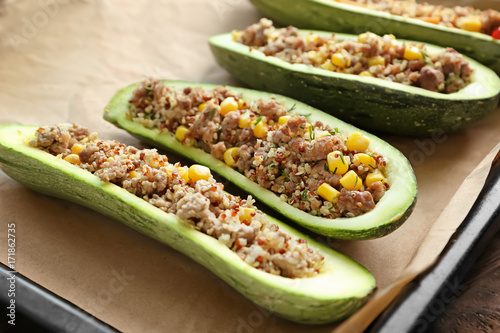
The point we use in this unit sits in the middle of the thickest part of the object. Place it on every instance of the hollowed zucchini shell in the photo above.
(390, 212)
(371, 103)
(341, 287)
(330, 15)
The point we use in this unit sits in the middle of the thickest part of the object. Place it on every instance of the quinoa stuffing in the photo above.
(190, 193)
(462, 17)
(312, 167)
(369, 55)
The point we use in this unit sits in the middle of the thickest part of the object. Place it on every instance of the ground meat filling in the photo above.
(369, 55)
(312, 167)
(466, 18)
(192, 194)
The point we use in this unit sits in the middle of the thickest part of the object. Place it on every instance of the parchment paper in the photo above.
(61, 61)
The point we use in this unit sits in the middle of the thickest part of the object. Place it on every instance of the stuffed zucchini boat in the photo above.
(317, 171)
(471, 32)
(374, 82)
(268, 262)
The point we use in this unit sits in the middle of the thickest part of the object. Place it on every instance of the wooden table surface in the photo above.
(477, 308)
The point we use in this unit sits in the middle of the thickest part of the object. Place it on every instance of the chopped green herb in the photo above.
(312, 135)
(271, 165)
(211, 113)
(302, 127)
(305, 114)
(426, 58)
(327, 167)
(148, 88)
(371, 166)
(292, 108)
(356, 183)
(259, 118)
(335, 131)
(451, 77)
(284, 174)
(342, 158)
(334, 171)
(303, 196)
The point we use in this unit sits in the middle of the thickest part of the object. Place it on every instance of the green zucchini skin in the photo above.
(394, 208)
(329, 15)
(338, 291)
(367, 102)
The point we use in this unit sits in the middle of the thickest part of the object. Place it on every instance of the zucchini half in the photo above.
(330, 15)
(341, 287)
(389, 213)
(368, 102)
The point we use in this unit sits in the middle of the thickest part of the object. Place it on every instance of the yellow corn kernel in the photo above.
(228, 105)
(260, 129)
(322, 134)
(337, 163)
(373, 177)
(365, 73)
(364, 159)
(280, 179)
(180, 132)
(351, 181)
(328, 66)
(412, 53)
(328, 193)
(357, 141)
(283, 119)
(310, 129)
(202, 107)
(132, 174)
(273, 35)
(347, 57)
(316, 57)
(245, 213)
(73, 159)
(183, 174)
(245, 120)
(236, 34)
(312, 38)
(470, 24)
(93, 136)
(241, 104)
(362, 38)
(77, 148)
(229, 156)
(374, 61)
(198, 172)
(340, 59)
